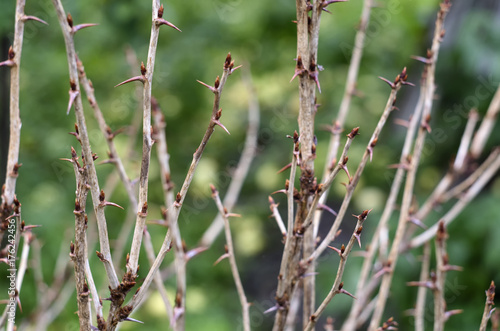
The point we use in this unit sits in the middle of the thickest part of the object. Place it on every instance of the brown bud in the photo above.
(143, 69)
(102, 196)
(69, 18)
(160, 12)
(217, 82)
(178, 198)
(227, 63)
(12, 54)
(354, 132)
(144, 209)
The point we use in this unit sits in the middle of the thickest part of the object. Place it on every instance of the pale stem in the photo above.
(232, 261)
(486, 127)
(419, 313)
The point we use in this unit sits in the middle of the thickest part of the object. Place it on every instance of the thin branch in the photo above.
(87, 153)
(438, 289)
(337, 286)
(457, 208)
(484, 131)
(247, 155)
(422, 291)
(232, 260)
(132, 265)
(488, 306)
(175, 209)
(415, 160)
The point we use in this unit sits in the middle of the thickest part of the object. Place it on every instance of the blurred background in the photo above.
(260, 35)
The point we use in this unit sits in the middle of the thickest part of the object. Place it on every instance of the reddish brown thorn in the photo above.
(388, 82)
(289, 165)
(344, 167)
(160, 21)
(314, 75)
(450, 313)
(73, 93)
(299, 68)
(211, 88)
(133, 79)
(33, 18)
(417, 222)
(336, 250)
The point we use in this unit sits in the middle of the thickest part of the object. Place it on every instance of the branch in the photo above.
(415, 160)
(157, 14)
(484, 131)
(89, 166)
(175, 209)
(488, 306)
(337, 286)
(232, 260)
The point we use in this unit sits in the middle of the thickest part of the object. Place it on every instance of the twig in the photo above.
(464, 200)
(381, 232)
(399, 81)
(422, 291)
(415, 159)
(147, 75)
(488, 306)
(67, 29)
(79, 248)
(175, 209)
(337, 286)
(180, 257)
(276, 214)
(232, 259)
(438, 289)
(108, 134)
(484, 131)
(148, 245)
(247, 155)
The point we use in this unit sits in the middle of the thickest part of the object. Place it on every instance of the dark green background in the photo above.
(260, 35)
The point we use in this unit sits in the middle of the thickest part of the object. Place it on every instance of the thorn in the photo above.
(418, 222)
(72, 97)
(325, 207)
(222, 257)
(33, 18)
(289, 165)
(82, 26)
(161, 21)
(217, 122)
(299, 69)
(133, 79)
(387, 81)
(421, 59)
(270, 310)
(211, 88)
(130, 319)
(195, 251)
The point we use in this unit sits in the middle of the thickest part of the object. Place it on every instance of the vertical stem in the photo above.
(146, 145)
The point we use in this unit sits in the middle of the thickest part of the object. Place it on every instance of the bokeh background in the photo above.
(260, 35)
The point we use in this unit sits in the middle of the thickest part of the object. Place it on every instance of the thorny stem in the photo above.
(337, 284)
(86, 150)
(349, 91)
(415, 160)
(464, 200)
(79, 248)
(419, 312)
(108, 134)
(174, 210)
(380, 234)
(487, 126)
(146, 144)
(488, 306)
(355, 179)
(180, 257)
(232, 260)
(438, 289)
(247, 155)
